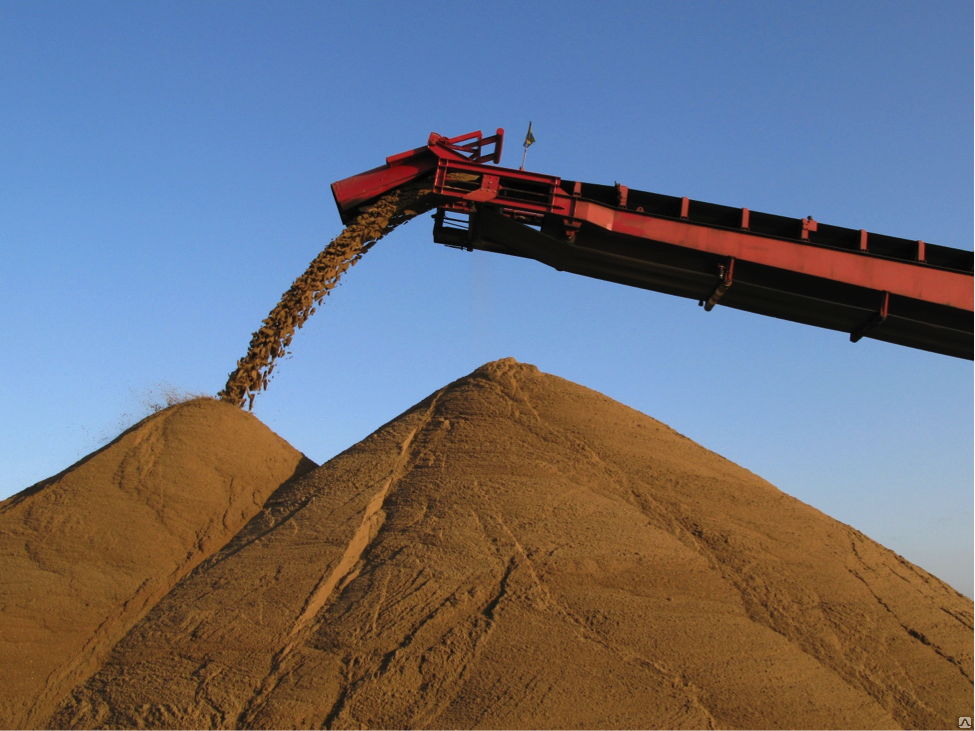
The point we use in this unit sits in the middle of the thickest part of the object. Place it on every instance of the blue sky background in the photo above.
(166, 171)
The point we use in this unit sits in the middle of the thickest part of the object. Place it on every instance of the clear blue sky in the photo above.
(165, 172)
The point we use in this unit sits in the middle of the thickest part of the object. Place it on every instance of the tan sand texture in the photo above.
(86, 553)
(271, 341)
(517, 551)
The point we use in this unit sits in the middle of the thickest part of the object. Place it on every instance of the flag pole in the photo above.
(529, 140)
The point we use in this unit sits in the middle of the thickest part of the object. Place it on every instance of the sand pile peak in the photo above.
(86, 553)
(519, 551)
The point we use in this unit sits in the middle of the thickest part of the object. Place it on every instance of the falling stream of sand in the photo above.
(271, 341)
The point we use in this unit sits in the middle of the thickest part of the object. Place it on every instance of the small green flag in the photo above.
(529, 138)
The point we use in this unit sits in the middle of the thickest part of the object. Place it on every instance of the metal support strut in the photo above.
(725, 273)
(876, 319)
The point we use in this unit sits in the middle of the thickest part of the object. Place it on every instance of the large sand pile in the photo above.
(86, 553)
(519, 551)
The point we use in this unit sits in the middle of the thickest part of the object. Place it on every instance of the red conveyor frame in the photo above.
(902, 291)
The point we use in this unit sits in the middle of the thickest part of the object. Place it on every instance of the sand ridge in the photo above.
(519, 551)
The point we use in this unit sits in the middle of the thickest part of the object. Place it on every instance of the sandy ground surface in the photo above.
(516, 551)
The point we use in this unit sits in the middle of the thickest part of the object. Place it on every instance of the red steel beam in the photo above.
(908, 279)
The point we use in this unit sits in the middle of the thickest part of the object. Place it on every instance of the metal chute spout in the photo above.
(353, 192)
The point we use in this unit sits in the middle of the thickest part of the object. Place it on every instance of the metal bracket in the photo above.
(808, 225)
(876, 319)
(571, 226)
(725, 273)
(488, 190)
(622, 192)
(453, 230)
(470, 146)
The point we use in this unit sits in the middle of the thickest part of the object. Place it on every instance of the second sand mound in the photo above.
(518, 551)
